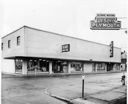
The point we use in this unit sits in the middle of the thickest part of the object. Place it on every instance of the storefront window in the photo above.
(116, 67)
(76, 66)
(60, 67)
(38, 66)
(31, 66)
(100, 66)
(65, 67)
(43, 66)
(18, 65)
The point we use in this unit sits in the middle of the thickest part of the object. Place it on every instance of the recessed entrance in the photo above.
(109, 66)
(59, 67)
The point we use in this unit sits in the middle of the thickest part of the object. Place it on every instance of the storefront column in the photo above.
(69, 67)
(105, 67)
(15, 64)
(96, 68)
(50, 68)
(24, 67)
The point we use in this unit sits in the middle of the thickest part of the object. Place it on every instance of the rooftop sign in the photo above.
(105, 22)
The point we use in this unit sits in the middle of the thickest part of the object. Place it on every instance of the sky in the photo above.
(67, 17)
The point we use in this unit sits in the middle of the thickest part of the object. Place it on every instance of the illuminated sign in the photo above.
(66, 48)
(105, 22)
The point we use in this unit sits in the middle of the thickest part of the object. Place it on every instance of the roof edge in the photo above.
(13, 31)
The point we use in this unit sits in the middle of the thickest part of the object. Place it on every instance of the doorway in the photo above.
(109, 67)
(57, 67)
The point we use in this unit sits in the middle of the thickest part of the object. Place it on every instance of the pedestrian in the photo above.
(123, 79)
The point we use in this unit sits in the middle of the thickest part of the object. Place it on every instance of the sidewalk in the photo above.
(111, 95)
(95, 96)
(114, 96)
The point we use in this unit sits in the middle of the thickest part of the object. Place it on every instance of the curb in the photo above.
(121, 100)
(58, 97)
(5, 75)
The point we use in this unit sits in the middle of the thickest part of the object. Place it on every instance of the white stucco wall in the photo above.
(45, 44)
(14, 50)
(8, 66)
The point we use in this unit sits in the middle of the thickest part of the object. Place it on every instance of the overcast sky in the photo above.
(68, 17)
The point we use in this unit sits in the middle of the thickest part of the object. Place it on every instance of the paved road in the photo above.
(33, 90)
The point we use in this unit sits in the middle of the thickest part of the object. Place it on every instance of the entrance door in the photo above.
(57, 67)
(44, 66)
(109, 67)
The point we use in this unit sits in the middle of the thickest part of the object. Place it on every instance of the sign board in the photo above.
(66, 48)
(111, 49)
(105, 22)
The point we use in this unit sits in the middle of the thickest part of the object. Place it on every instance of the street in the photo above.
(25, 90)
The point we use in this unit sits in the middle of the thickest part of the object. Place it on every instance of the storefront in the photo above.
(29, 51)
(41, 66)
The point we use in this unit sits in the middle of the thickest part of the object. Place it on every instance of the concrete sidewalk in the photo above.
(97, 95)
(111, 95)
(106, 97)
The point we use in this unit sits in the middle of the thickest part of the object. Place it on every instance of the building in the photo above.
(31, 51)
(124, 60)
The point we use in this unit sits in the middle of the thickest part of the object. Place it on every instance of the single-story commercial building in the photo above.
(28, 50)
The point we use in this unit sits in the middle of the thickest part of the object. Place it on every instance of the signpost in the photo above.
(111, 49)
(83, 77)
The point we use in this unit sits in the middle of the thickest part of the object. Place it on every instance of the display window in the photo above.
(43, 66)
(76, 66)
(38, 65)
(60, 67)
(101, 66)
(18, 65)
(116, 66)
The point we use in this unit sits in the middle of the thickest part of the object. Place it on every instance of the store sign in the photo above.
(105, 22)
(66, 48)
(111, 49)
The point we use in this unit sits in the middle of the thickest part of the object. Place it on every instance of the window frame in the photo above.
(18, 40)
(2, 46)
(9, 43)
